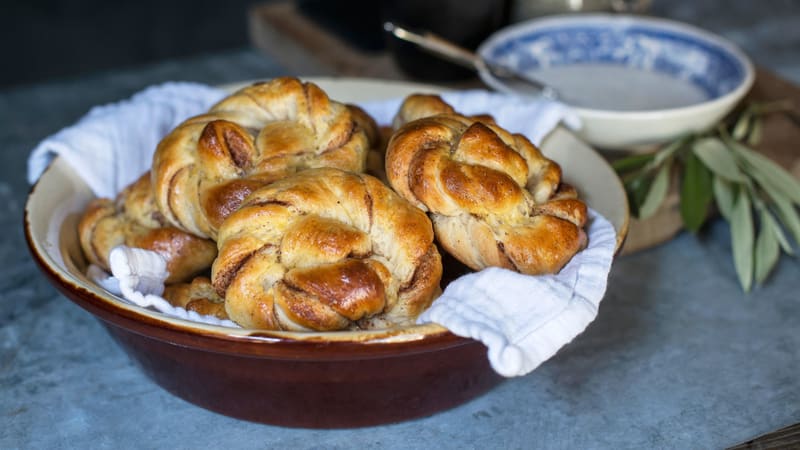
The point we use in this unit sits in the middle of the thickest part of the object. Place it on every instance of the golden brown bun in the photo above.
(418, 106)
(378, 137)
(133, 221)
(493, 198)
(326, 249)
(198, 296)
(414, 106)
(262, 133)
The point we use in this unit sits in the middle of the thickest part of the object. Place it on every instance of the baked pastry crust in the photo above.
(207, 165)
(198, 296)
(133, 220)
(326, 249)
(494, 199)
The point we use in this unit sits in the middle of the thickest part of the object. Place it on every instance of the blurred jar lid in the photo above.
(527, 9)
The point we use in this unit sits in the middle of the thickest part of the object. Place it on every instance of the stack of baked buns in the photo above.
(283, 209)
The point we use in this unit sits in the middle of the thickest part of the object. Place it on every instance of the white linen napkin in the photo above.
(138, 276)
(535, 118)
(113, 145)
(523, 320)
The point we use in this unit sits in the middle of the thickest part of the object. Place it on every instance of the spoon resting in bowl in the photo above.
(519, 82)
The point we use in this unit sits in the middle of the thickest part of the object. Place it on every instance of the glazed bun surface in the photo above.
(494, 199)
(207, 165)
(326, 249)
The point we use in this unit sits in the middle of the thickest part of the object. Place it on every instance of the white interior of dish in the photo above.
(61, 195)
(621, 63)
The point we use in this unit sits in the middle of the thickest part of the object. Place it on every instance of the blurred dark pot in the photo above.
(465, 23)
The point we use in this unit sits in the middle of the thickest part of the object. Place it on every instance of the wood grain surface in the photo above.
(785, 438)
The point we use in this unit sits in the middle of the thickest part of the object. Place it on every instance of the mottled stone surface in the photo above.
(677, 358)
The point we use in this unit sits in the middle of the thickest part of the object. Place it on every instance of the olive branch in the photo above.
(720, 166)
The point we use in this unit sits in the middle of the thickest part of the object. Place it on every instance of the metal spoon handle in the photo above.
(437, 45)
(441, 47)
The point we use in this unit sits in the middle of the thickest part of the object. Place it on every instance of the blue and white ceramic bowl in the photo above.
(633, 80)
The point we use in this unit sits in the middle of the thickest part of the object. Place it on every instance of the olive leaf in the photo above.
(767, 220)
(742, 125)
(755, 132)
(724, 194)
(630, 163)
(637, 189)
(717, 157)
(696, 192)
(766, 185)
(767, 250)
(788, 214)
(671, 149)
(768, 172)
(657, 192)
(742, 239)
(717, 165)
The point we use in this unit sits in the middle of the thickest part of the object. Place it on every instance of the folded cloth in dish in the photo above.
(523, 320)
(138, 276)
(112, 145)
(535, 118)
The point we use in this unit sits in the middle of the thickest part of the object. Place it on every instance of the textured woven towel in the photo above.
(523, 320)
(113, 145)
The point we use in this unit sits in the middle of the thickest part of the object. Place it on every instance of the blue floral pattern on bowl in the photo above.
(710, 67)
